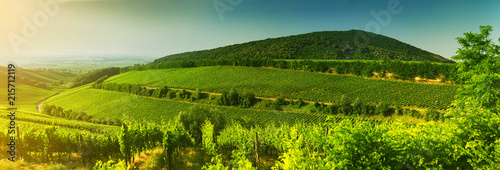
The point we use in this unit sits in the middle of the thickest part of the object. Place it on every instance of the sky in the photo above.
(42, 29)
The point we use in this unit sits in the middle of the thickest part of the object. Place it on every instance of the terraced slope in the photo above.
(108, 104)
(292, 84)
(33, 85)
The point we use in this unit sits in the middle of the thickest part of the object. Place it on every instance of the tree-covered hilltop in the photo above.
(349, 45)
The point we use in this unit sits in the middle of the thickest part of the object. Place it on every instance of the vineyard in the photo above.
(334, 142)
(372, 91)
(308, 86)
(140, 108)
(342, 145)
(233, 113)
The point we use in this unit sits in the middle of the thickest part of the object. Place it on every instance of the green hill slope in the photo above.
(292, 84)
(109, 104)
(317, 45)
(33, 85)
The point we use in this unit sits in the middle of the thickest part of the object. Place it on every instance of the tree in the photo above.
(233, 97)
(477, 103)
(194, 119)
(343, 105)
(222, 99)
(247, 99)
(197, 94)
(478, 55)
(382, 109)
(479, 70)
(280, 100)
(161, 92)
(357, 106)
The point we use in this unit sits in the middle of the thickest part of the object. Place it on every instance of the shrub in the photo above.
(195, 118)
(398, 111)
(432, 115)
(300, 103)
(382, 109)
(246, 100)
(197, 94)
(222, 99)
(183, 94)
(280, 100)
(357, 107)
(171, 94)
(233, 97)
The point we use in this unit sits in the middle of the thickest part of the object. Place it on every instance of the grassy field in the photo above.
(310, 86)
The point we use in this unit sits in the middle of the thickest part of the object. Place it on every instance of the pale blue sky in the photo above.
(155, 28)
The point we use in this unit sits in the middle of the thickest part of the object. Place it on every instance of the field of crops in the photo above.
(310, 86)
(109, 104)
(27, 97)
(27, 94)
(373, 91)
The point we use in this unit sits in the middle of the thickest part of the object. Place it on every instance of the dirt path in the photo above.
(419, 109)
(388, 76)
(39, 105)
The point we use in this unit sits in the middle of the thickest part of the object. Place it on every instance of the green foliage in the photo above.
(183, 94)
(158, 93)
(391, 145)
(358, 107)
(233, 97)
(223, 99)
(404, 70)
(382, 109)
(197, 94)
(239, 159)
(58, 111)
(195, 118)
(475, 111)
(280, 100)
(247, 100)
(125, 144)
(208, 138)
(47, 140)
(121, 105)
(308, 86)
(478, 54)
(170, 94)
(175, 138)
(316, 45)
(432, 115)
(95, 75)
(398, 110)
(216, 164)
(300, 103)
(110, 165)
(478, 69)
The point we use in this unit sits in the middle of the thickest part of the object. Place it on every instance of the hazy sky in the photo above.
(155, 28)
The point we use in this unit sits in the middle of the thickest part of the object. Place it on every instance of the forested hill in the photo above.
(317, 45)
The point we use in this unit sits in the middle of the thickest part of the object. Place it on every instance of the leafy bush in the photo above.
(194, 119)
(432, 115)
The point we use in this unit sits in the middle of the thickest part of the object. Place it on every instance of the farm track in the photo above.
(39, 105)
(388, 76)
(420, 109)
